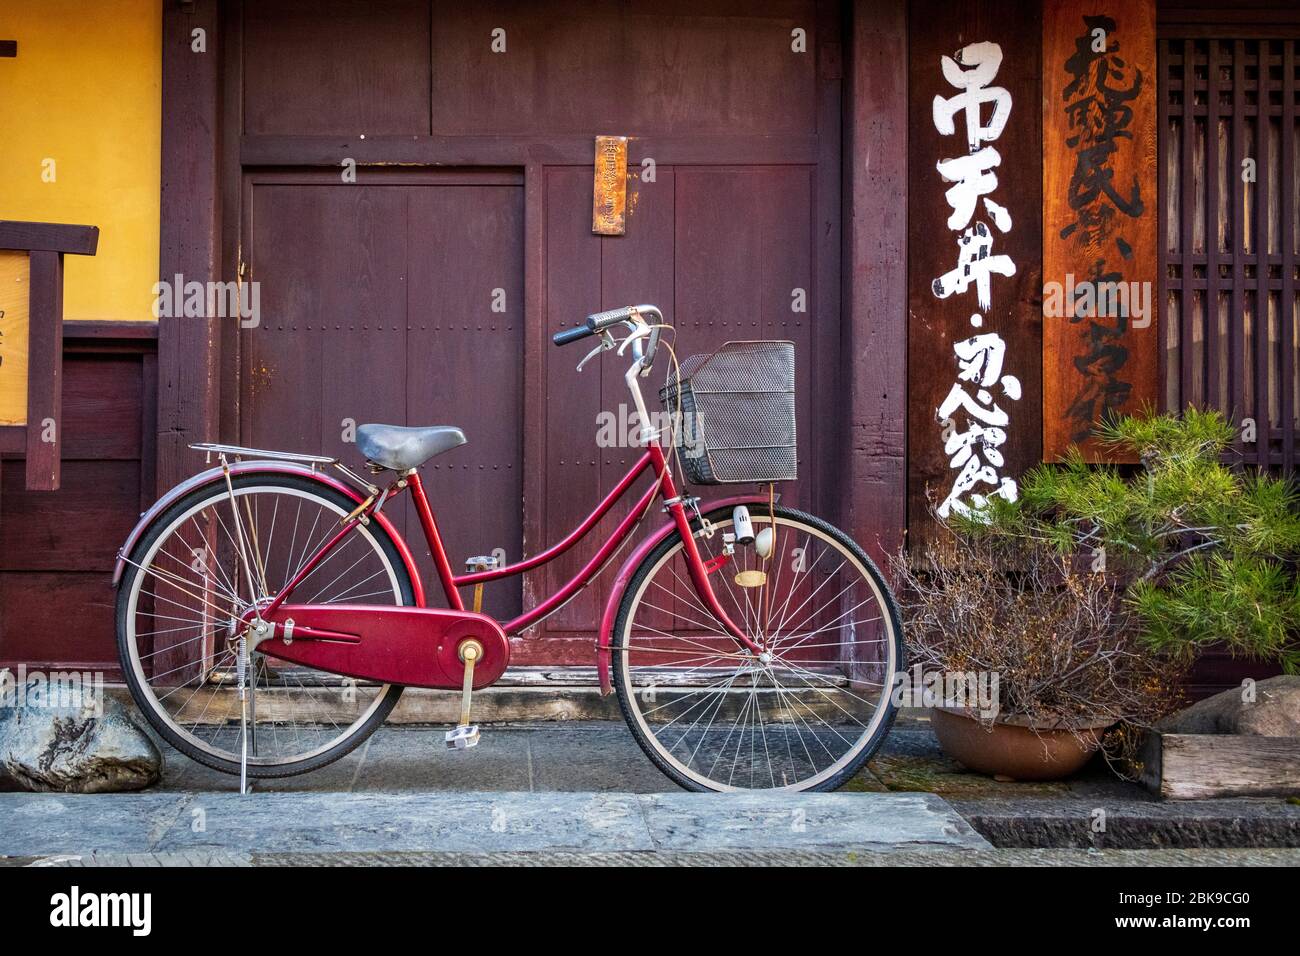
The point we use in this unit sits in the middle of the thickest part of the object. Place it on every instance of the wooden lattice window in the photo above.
(1229, 272)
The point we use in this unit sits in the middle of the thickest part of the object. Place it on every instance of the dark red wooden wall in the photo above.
(774, 170)
(473, 188)
(57, 548)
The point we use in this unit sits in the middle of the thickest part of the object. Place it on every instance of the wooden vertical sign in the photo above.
(14, 293)
(1100, 336)
(974, 254)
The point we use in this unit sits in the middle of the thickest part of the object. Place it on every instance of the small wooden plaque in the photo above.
(15, 289)
(609, 205)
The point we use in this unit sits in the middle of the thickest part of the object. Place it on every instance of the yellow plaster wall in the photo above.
(84, 91)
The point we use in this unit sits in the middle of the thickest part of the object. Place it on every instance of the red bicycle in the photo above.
(269, 614)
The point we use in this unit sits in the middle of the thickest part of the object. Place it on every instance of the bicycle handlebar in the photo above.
(603, 320)
(599, 321)
(572, 335)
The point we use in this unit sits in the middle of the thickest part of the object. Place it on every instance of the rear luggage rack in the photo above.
(315, 462)
(238, 451)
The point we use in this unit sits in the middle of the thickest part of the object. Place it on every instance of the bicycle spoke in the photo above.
(253, 540)
(795, 716)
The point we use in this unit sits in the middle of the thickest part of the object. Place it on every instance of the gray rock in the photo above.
(1275, 712)
(50, 742)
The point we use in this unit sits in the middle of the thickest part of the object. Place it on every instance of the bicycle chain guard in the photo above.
(416, 647)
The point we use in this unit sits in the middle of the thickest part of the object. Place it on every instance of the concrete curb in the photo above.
(41, 825)
(1135, 824)
(899, 858)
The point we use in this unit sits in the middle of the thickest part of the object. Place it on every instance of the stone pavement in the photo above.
(1095, 810)
(550, 792)
(601, 755)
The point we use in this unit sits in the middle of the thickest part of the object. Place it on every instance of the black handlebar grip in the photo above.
(572, 335)
(602, 320)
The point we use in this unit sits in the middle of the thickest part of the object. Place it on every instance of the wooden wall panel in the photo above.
(101, 409)
(974, 253)
(714, 67)
(57, 548)
(743, 250)
(78, 528)
(464, 367)
(343, 66)
(329, 264)
(1100, 336)
(81, 633)
(573, 475)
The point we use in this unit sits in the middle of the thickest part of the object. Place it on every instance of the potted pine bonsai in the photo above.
(1095, 589)
(1206, 552)
(1060, 642)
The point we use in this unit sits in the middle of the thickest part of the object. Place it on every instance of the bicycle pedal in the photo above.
(465, 735)
(462, 737)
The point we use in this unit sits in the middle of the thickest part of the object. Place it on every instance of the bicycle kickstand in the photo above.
(242, 673)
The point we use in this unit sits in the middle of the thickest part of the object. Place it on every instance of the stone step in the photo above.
(522, 694)
(45, 825)
(928, 858)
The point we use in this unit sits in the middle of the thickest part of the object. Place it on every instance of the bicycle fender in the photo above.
(216, 475)
(605, 636)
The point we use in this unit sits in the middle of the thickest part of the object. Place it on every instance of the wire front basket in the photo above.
(736, 410)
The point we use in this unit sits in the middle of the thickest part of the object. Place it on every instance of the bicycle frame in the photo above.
(653, 460)
(370, 501)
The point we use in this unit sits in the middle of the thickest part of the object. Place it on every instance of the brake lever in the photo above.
(606, 343)
(637, 334)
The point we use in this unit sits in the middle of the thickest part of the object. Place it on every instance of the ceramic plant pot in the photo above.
(1014, 748)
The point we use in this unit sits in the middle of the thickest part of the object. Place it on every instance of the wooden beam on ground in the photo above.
(1202, 766)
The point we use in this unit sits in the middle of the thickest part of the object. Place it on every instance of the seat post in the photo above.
(430, 526)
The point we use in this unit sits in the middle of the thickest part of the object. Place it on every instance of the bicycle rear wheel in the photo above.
(187, 583)
(804, 715)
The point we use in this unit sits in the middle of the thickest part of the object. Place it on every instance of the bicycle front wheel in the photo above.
(809, 711)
